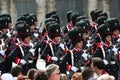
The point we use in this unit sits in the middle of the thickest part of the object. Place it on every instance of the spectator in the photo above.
(98, 66)
(22, 77)
(106, 77)
(53, 72)
(88, 73)
(16, 71)
(40, 75)
(77, 76)
(7, 76)
(63, 77)
(31, 73)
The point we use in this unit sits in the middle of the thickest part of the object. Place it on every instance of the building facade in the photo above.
(39, 7)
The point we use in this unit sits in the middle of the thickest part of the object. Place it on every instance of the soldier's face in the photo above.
(108, 39)
(57, 39)
(32, 28)
(85, 35)
(27, 40)
(116, 32)
(55, 75)
(4, 30)
(79, 44)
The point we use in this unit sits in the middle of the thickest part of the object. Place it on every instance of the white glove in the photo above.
(32, 51)
(105, 62)
(85, 56)
(115, 50)
(36, 35)
(62, 46)
(8, 34)
(74, 68)
(54, 58)
(2, 52)
(88, 44)
(118, 40)
(22, 61)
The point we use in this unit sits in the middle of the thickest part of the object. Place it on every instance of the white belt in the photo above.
(112, 62)
(30, 61)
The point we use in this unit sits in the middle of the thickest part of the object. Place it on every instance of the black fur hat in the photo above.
(23, 30)
(113, 23)
(49, 14)
(75, 35)
(54, 30)
(104, 31)
(84, 25)
(4, 22)
(101, 20)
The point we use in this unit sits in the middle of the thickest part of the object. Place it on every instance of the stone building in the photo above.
(18, 7)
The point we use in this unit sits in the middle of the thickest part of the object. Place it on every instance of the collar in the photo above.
(54, 42)
(115, 36)
(77, 49)
(103, 72)
(70, 25)
(25, 44)
(107, 45)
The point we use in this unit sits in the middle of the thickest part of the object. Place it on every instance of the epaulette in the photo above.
(46, 42)
(17, 45)
(68, 51)
(98, 45)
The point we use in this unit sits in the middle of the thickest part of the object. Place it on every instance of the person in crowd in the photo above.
(98, 66)
(53, 72)
(77, 76)
(7, 76)
(63, 76)
(16, 71)
(106, 77)
(40, 75)
(88, 74)
(30, 73)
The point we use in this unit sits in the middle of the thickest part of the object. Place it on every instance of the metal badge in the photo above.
(79, 34)
(57, 30)
(27, 30)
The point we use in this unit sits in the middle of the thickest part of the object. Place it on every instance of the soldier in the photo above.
(105, 34)
(23, 53)
(115, 27)
(94, 15)
(105, 50)
(51, 52)
(44, 34)
(5, 66)
(48, 18)
(74, 59)
(69, 25)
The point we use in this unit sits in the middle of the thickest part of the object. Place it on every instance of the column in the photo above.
(13, 11)
(92, 5)
(41, 10)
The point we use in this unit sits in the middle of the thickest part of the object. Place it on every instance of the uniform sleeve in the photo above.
(65, 62)
(15, 55)
(98, 53)
(46, 54)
